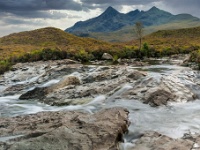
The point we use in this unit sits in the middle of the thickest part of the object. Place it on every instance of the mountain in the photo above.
(112, 21)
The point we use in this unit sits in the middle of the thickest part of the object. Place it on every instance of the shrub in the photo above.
(5, 65)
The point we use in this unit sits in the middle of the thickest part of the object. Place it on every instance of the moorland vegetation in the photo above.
(52, 44)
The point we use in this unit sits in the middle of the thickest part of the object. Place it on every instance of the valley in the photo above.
(94, 87)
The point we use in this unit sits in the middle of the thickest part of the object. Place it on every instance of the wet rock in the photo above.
(65, 81)
(41, 92)
(156, 141)
(107, 56)
(36, 93)
(133, 62)
(36, 74)
(86, 91)
(178, 88)
(89, 83)
(11, 90)
(79, 82)
(161, 90)
(66, 130)
(159, 97)
(135, 75)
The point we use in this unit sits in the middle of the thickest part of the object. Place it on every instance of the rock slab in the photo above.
(64, 130)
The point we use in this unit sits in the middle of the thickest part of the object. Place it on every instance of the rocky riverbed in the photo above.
(67, 105)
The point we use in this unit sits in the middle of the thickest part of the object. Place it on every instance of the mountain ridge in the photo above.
(111, 21)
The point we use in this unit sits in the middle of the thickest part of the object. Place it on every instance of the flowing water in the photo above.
(173, 120)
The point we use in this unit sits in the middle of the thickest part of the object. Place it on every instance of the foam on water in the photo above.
(173, 121)
(49, 83)
(6, 138)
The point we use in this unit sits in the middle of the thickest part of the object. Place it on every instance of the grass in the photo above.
(175, 40)
(126, 34)
(51, 43)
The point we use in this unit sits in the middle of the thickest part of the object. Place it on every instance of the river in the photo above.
(173, 120)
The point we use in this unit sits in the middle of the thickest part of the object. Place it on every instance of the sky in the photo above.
(24, 15)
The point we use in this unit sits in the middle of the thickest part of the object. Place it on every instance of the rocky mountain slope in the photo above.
(111, 20)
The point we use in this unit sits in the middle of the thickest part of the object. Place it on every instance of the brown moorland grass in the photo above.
(175, 41)
(52, 43)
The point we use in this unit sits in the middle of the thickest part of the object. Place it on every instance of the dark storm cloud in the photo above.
(119, 2)
(39, 14)
(26, 5)
(38, 8)
(92, 4)
(15, 21)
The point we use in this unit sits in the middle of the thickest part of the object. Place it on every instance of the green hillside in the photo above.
(186, 37)
(127, 33)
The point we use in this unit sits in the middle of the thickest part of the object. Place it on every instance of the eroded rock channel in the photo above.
(67, 105)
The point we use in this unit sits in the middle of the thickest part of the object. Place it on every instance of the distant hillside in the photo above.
(47, 37)
(179, 39)
(24, 42)
(114, 26)
(192, 33)
(49, 44)
(127, 33)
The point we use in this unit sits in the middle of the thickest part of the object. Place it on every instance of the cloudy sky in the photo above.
(23, 15)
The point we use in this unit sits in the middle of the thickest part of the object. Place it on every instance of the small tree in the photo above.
(139, 32)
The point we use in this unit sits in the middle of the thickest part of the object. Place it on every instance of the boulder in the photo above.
(156, 141)
(41, 92)
(36, 93)
(162, 90)
(107, 56)
(159, 97)
(66, 130)
(135, 75)
(65, 81)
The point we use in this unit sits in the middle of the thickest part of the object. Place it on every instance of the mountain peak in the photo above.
(154, 8)
(112, 20)
(110, 9)
(133, 13)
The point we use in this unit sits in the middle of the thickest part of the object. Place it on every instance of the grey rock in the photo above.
(107, 56)
(41, 92)
(156, 141)
(159, 97)
(66, 130)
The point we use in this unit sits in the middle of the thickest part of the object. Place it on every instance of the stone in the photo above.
(156, 141)
(41, 92)
(135, 75)
(159, 97)
(65, 81)
(36, 93)
(107, 56)
(66, 130)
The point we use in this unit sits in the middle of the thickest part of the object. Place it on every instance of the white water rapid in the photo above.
(173, 120)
